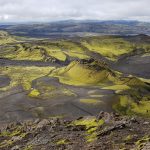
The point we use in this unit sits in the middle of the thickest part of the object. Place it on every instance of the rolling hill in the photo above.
(77, 76)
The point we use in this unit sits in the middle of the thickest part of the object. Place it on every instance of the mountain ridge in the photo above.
(70, 27)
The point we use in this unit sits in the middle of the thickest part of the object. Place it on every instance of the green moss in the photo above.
(23, 75)
(29, 147)
(87, 76)
(98, 96)
(91, 125)
(6, 143)
(17, 131)
(89, 122)
(56, 52)
(96, 74)
(91, 130)
(56, 116)
(92, 137)
(62, 48)
(117, 87)
(68, 92)
(145, 80)
(34, 93)
(5, 38)
(128, 138)
(62, 142)
(141, 142)
(108, 46)
(77, 55)
(48, 90)
(128, 105)
(90, 101)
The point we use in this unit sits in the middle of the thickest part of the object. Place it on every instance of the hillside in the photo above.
(6, 38)
(53, 90)
(105, 72)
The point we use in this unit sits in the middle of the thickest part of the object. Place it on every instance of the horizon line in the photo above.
(77, 20)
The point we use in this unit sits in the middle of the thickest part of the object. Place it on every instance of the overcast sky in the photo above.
(52, 10)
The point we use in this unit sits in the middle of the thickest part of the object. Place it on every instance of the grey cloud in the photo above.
(50, 10)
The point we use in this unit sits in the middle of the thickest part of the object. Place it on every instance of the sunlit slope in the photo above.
(132, 93)
(6, 38)
(82, 73)
(92, 72)
(109, 47)
(44, 51)
(69, 48)
(23, 52)
(112, 47)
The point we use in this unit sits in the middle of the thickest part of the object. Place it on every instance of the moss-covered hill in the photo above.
(74, 77)
(6, 38)
(133, 93)
(110, 47)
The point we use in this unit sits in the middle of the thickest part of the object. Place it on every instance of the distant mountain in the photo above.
(74, 27)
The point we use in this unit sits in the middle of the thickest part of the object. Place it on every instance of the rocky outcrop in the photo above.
(104, 131)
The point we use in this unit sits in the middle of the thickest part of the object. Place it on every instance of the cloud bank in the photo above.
(53, 10)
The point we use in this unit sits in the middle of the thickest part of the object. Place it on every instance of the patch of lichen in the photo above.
(129, 106)
(6, 143)
(60, 55)
(50, 90)
(117, 87)
(34, 93)
(17, 131)
(96, 95)
(131, 81)
(10, 134)
(141, 142)
(62, 142)
(23, 75)
(56, 116)
(128, 138)
(68, 92)
(70, 45)
(28, 147)
(91, 125)
(90, 101)
(66, 47)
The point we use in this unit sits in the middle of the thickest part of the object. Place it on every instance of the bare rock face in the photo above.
(42, 123)
(147, 146)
